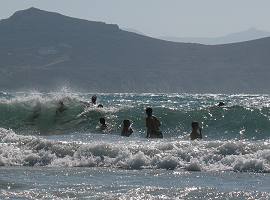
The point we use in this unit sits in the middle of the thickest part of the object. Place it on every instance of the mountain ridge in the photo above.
(95, 56)
(243, 36)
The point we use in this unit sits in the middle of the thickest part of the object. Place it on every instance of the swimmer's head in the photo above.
(94, 99)
(100, 106)
(221, 104)
(149, 111)
(102, 121)
(126, 123)
(195, 125)
(61, 102)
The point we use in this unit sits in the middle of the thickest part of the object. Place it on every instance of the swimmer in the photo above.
(196, 131)
(94, 100)
(61, 108)
(103, 126)
(100, 106)
(127, 130)
(152, 125)
(92, 103)
(221, 104)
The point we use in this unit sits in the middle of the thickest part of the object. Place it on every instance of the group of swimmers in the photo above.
(152, 122)
(152, 125)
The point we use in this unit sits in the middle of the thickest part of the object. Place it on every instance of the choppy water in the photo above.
(231, 162)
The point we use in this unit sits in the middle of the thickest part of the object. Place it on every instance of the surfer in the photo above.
(61, 107)
(127, 130)
(152, 125)
(196, 131)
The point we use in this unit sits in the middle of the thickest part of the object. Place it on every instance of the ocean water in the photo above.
(45, 155)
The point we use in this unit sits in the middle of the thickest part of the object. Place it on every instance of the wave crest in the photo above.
(36, 114)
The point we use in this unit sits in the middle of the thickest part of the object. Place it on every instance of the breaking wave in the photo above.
(239, 156)
(244, 117)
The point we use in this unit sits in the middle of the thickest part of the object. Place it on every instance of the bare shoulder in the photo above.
(154, 117)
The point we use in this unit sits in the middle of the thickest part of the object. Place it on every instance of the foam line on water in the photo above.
(240, 156)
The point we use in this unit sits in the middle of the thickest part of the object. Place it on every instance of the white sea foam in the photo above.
(239, 156)
(244, 165)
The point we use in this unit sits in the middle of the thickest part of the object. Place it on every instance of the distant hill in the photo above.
(132, 30)
(45, 50)
(243, 36)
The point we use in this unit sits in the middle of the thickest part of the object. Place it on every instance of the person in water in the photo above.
(92, 103)
(100, 106)
(152, 125)
(196, 131)
(61, 107)
(127, 130)
(103, 125)
(94, 100)
(221, 104)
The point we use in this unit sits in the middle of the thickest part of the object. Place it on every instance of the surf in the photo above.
(243, 117)
(134, 154)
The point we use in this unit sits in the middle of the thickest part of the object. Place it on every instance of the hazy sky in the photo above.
(206, 18)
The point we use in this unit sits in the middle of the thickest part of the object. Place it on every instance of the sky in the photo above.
(176, 18)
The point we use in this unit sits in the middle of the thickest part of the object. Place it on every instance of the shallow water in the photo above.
(102, 183)
(50, 156)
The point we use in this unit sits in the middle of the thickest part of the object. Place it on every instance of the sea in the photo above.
(45, 154)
